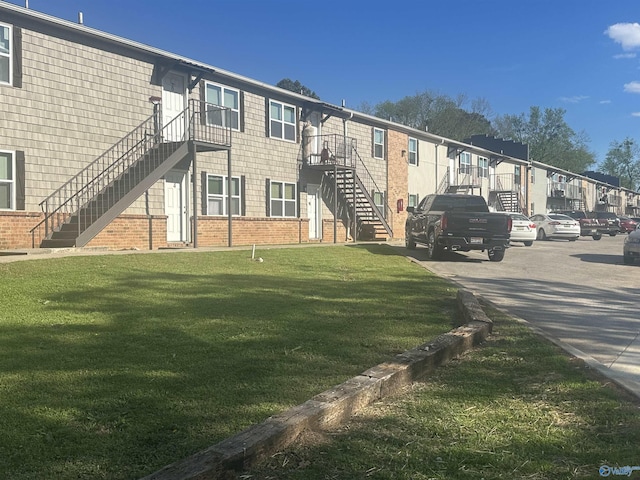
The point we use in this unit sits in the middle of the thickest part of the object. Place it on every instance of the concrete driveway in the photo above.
(579, 294)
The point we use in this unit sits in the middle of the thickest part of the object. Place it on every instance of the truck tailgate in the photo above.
(480, 223)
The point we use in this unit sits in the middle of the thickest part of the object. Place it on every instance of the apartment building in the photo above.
(106, 142)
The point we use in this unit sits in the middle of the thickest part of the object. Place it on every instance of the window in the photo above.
(378, 143)
(413, 200)
(224, 97)
(517, 173)
(379, 201)
(7, 181)
(217, 197)
(283, 199)
(533, 175)
(282, 121)
(5, 54)
(483, 167)
(413, 151)
(465, 162)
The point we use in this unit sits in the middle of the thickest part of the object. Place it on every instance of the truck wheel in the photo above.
(597, 236)
(528, 244)
(613, 234)
(496, 255)
(628, 259)
(409, 242)
(433, 250)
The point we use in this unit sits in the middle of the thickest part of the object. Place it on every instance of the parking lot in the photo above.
(580, 293)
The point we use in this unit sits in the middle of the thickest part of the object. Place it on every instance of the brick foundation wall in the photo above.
(127, 231)
(327, 232)
(213, 231)
(14, 229)
(133, 232)
(144, 233)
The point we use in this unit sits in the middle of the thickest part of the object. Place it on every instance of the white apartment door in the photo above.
(314, 212)
(173, 104)
(175, 200)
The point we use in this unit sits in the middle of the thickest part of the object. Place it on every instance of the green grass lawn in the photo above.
(114, 366)
(515, 408)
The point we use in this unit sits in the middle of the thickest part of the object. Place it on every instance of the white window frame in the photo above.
(281, 121)
(234, 112)
(283, 201)
(9, 54)
(378, 144)
(465, 166)
(224, 196)
(483, 167)
(10, 181)
(413, 151)
(414, 199)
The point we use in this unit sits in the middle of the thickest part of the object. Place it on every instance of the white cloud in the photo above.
(632, 87)
(624, 55)
(574, 99)
(626, 34)
(605, 102)
(635, 114)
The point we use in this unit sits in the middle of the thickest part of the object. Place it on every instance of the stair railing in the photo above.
(369, 186)
(444, 183)
(74, 193)
(82, 188)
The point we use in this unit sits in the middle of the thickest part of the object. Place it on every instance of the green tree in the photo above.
(439, 114)
(551, 140)
(297, 87)
(623, 161)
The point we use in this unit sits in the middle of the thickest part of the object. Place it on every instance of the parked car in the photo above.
(556, 225)
(631, 247)
(456, 222)
(523, 229)
(627, 224)
(610, 220)
(589, 227)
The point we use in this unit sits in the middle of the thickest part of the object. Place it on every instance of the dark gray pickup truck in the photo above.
(454, 222)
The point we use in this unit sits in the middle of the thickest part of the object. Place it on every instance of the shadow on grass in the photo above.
(515, 408)
(116, 367)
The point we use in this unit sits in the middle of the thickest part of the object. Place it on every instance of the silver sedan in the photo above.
(556, 225)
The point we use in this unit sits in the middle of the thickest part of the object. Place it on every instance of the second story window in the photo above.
(483, 167)
(7, 181)
(378, 143)
(5, 54)
(224, 97)
(413, 151)
(465, 162)
(282, 121)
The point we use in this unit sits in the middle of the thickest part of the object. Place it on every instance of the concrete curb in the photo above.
(335, 406)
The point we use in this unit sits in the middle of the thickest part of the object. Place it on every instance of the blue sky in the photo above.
(579, 55)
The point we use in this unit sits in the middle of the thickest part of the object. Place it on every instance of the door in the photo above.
(314, 212)
(173, 105)
(175, 199)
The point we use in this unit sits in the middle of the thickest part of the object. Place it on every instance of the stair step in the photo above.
(58, 243)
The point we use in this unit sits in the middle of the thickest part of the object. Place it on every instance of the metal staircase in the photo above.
(354, 184)
(93, 198)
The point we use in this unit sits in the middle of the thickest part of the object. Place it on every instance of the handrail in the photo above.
(370, 186)
(96, 178)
